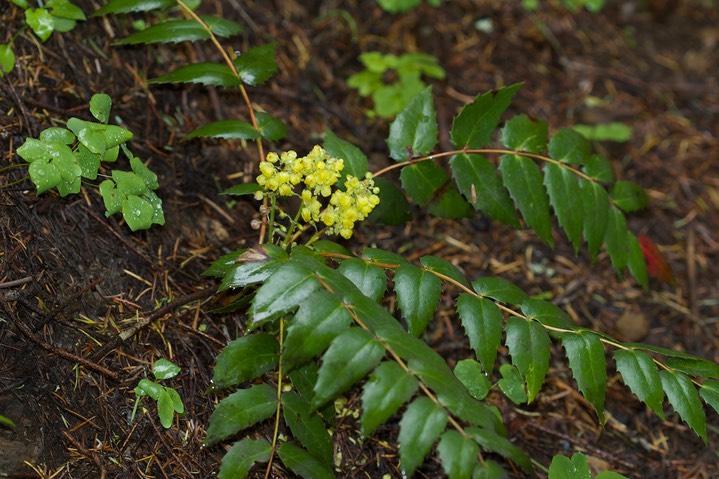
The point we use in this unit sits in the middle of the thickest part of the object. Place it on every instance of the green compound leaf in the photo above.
(244, 359)
(445, 268)
(528, 344)
(129, 183)
(525, 134)
(475, 124)
(320, 319)
(499, 289)
(709, 391)
(110, 196)
(271, 128)
(248, 266)
(391, 260)
(457, 454)
(471, 374)
(303, 463)
(501, 445)
(370, 279)
(41, 22)
(257, 65)
(521, 176)
(238, 461)
(354, 160)
(56, 134)
(175, 31)
(128, 6)
(480, 183)
(589, 367)
(148, 177)
(307, 427)
(563, 190)
(614, 131)
(284, 290)
(100, 105)
(421, 425)
(575, 468)
(393, 208)
(482, 323)
(641, 375)
(388, 388)
(595, 203)
(349, 358)
(685, 400)
(546, 313)
(215, 74)
(512, 384)
(636, 262)
(418, 294)
(570, 147)
(7, 58)
(165, 369)
(599, 168)
(695, 367)
(616, 238)
(241, 410)
(414, 132)
(44, 175)
(34, 150)
(165, 409)
(137, 212)
(629, 196)
(227, 129)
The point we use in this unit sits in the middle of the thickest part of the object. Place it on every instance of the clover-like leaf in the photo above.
(100, 105)
(137, 212)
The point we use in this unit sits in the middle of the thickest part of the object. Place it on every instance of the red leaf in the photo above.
(657, 267)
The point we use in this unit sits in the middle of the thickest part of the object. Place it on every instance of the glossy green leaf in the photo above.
(563, 467)
(238, 461)
(44, 175)
(129, 183)
(307, 427)
(450, 204)
(418, 294)
(414, 132)
(393, 208)
(640, 374)
(7, 58)
(137, 212)
(392, 260)
(244, 359)
(616, 238)
(501, 445)
(250, 266)
(422, 180)
(241, 410)
(685, 400)
(127, 6)
(568, 146)
(257, 65)
(599, 168)
(57, 135)
(480, 183)
(271, 128)
(63, 25)
(223, 264)
(175, 31)
(499, 289)
(165, 369)
(33, 150)
(284, 290)
(521, 176)
(523, 133)
(563, 190)
(68, 187)
(629, 196)
(458, 455)
(349, 358)
(145, 387)
(489, 470)
(110, 196)
(528, 344)
(215, 74)
(709, 391)
(227, 129)
(546, 313)
(445, 268)
(695, 367)
(421, 425)
(176, 400)
(512, 384)
(100, 105)
(595, 206)
(371, 280)
(320, 319)
(476, 122)
(65, 9)
(471, 374)
(354, 160)
(589, 367)
(303, 463)
(482, 323)
(636, 262)
(148, 177)
(242, 189)
(614, 131)
(41, 22)
(388, 388)
(165, 409)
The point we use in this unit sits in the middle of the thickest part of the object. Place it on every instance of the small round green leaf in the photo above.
(44, 175)
(471, 374)
(41, 22)
(137, 212)
(165, 409)
(150, 388)
(33, 150)
(7, 58)
(100, 105)
(164, 369)
(56, 134)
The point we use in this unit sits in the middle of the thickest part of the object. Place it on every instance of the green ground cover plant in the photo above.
(168, 399)
(318, 320)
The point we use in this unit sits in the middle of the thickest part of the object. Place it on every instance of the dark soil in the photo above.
(71, 279)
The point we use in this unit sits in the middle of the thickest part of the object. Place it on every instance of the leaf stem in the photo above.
(275, 431)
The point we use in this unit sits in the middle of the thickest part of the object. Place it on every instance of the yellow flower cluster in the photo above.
(318, 173)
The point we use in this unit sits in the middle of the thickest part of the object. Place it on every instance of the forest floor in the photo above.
(71, 279)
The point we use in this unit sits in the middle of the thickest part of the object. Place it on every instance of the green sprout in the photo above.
(168, 400)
